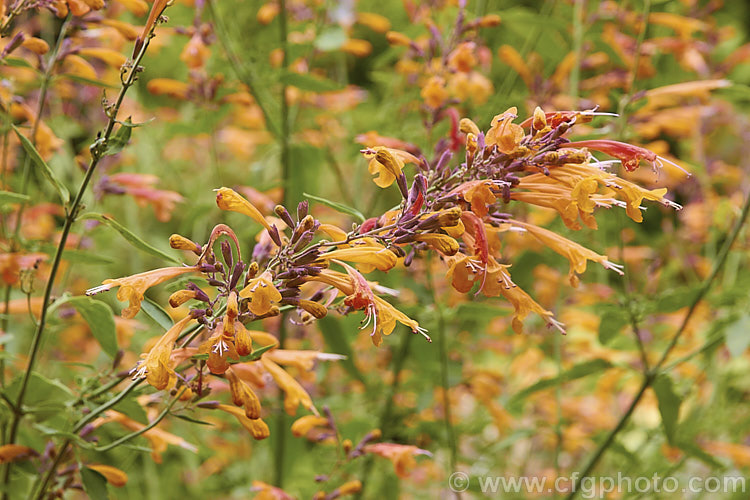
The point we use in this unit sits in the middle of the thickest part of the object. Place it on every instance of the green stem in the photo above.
(97, 152)
(387, 414)
(151, 425)
(443, 353)
(26, 169)
(651, 375)
(281, 420)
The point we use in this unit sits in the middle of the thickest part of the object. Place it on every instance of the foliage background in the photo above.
(501, 423)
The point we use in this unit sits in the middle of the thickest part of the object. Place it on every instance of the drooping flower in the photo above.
(401, 455)
(256, 427)
(576, 254)
(294, 393)
(155, 366)
(133, 287)
(388, 163)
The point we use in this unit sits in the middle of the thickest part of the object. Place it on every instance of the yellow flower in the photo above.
(503, 133)
(434, 92)
(303, 425)
(262, 293)
(133, 287)
(440, 242)
(366, 252)
(401, 455)
(295, 394)
(113, 475)
(155, 365)
(380, 313)
(576, 254)
(228, 199)
(256, 427)
(388, 163)
(243, 395)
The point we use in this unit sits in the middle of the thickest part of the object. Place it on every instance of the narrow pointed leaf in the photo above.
(42, 165)
(130, 236)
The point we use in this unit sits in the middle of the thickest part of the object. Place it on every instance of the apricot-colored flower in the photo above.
(434, 92)
(113, 475)
(243, 395)
(576, 254)
(295, 394)
(401, 455)
(228, 199)
(155, 366)
(262, 293)
(369, 254)
(388, 163)
(503, 133)
(133, 287)
(255, 426)
(158, 438)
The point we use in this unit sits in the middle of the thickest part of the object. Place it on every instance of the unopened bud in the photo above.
(179, 242)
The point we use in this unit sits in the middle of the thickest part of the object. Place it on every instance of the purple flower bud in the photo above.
(302, 209)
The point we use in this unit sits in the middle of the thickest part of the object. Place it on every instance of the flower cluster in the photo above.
(459, 211)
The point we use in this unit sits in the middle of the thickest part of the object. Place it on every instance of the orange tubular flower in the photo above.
(503, 133)
(155, 364)
(401, 455)
(388, 163)
(229, 199)
(295, 394)
(262, 293)
(360, 296)
(133, 287)
(369, 254)
(256, 427)
(576, 254)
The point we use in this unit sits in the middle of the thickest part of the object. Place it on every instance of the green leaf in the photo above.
(192, 420)
(131, 408)
(257, 353)
(308, 82)
(130, 236)
(738, 336)
(94, 484)
(157, 313)
(337, 206)
(16, 62)
(669, 405)
(39, 161)
(578, 371)
(610, 325)
(117, 142)
(330, 39)
(87, 81)
(99, 317)
(8, 197)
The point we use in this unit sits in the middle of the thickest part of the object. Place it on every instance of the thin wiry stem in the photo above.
(387, 414)
(281, 420)
(443, 352)
(97, 153)
(651, 376)
(26, 168)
